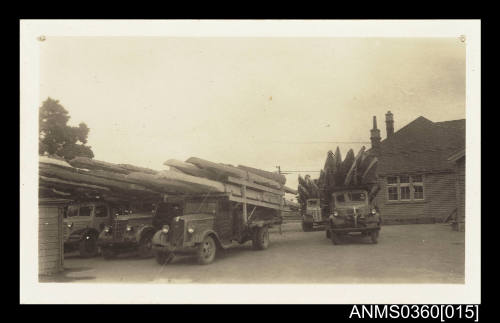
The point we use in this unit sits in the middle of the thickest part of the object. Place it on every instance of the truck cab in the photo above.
(351, 212)
(312, 216)
(131, 229)
(82, 224)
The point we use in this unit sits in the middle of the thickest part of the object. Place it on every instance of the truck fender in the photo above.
(198, 237)
(144, 230)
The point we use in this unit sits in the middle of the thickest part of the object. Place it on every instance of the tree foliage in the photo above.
(56, 137)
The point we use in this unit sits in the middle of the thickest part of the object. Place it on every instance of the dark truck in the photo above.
(352, 212)
(131, 229)
(83, 221)
(210, 222)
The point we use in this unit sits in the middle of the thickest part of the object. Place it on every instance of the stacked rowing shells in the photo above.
(354, 170)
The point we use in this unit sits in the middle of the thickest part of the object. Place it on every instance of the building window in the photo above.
(393, 193)
(405, 188)
(392, 188)
(418, 187)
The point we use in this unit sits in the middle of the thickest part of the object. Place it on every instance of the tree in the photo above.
(56, 137)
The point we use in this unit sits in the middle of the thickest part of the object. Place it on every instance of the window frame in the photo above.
(398, 185)
(392, 185)
(417, 184)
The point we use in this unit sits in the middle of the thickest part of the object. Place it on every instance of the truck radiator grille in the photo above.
(119, 228)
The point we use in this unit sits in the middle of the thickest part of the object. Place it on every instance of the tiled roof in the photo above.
(421, 146)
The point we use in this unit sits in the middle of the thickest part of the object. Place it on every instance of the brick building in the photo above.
(418, 181)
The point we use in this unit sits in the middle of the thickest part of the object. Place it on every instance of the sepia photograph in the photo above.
(311, 161)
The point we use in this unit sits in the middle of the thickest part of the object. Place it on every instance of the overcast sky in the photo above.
(259, 102)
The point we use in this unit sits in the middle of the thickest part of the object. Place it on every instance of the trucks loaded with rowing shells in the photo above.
(343, 196)
(210, 222)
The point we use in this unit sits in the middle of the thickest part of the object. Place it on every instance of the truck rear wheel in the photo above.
(88, 246)
(206, 251)
(163, 258)
(260, 239)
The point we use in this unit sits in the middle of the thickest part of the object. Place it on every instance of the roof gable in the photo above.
(422, 146)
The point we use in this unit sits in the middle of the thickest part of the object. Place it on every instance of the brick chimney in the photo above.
(389, 124)
(375, 134)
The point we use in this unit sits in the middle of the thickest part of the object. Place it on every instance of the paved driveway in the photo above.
(420, 253)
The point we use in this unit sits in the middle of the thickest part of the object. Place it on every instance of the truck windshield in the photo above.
(72, 211)
(348, 197)
(200, 207)
(357, 196)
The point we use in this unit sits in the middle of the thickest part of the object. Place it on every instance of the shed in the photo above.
(50, 235)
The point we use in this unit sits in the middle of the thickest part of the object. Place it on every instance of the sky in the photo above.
(260, 102)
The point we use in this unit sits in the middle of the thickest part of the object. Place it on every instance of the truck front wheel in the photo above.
(145, 246)
(206, 251)
(88, 246)
(260, 239)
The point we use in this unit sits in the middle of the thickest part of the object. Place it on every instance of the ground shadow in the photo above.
(63, 278)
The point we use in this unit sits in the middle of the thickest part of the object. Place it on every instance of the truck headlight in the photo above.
(335, 213)
(70, 225)
(129, 228)
(165, 228)
(107, 229)
(190, 230)
(374, 212)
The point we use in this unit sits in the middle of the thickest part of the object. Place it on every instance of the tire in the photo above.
(108, 253)
(335, 238)
(374, 236)
(88, 247)
(206, 251)
(163, 258)
(260, 239)
(307, 227)
(145, 246)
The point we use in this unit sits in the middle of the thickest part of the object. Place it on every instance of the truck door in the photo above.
(223, 224)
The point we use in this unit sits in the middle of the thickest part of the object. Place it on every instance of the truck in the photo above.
(352, 211)
(130, 230)
(313, 215)
(206, 223)
(342, 198)
(83, 222)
